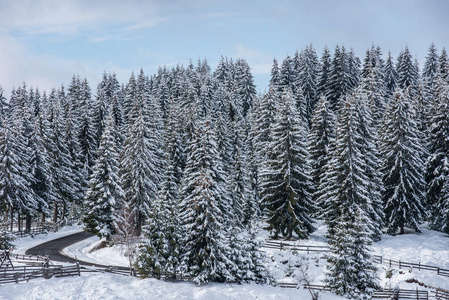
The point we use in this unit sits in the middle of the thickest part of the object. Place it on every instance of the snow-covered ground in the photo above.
(429, 247)
(113, 256)
(105, 286)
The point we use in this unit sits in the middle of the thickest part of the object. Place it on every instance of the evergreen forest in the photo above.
(194, 161)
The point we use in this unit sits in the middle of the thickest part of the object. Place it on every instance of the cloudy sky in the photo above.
(45, 42)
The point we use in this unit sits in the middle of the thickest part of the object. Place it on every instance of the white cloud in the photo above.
(72, 16)
(42, 71)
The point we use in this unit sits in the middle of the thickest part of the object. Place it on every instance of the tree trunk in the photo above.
(55, 214)
(402, 230)
(43, 217)
(28, 223)
(12, 218)
(19, 222)
(64, 211)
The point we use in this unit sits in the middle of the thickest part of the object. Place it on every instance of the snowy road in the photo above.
(54, 248)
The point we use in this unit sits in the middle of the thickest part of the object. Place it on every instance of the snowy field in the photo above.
(429, 247)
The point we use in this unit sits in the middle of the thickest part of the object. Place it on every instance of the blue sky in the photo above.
(44, 42)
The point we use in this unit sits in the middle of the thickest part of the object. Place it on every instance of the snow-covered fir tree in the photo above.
(105, 194)
(285, 182)
(319, 139)
(343, 77)
(408, 75)
(350, 271)
(61, 165)
(159, 251)
(390, 76)
(443, 63)
(402, 167)
(15, 195)
(307, 66)
(351, 177)
(437, 164)
(140, 164)
(202, 211)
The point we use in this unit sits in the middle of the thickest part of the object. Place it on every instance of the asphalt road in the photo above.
(54, 248)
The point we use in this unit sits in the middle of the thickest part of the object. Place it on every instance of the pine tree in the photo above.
(351, 177)
(140, 164)
(343, 77)
(408, 75)
(324, 72)
(307, 69)
(373, 85)
(245, 88)
(159, 252)
(39, 165)
(430, 67)
(61, 165)
(440, 212)
(285, 182)
(390, 76)
(105, 194)
(350, 270)
(86, 133)
(319, 139)
(15, 188)
(437, 167)
(287, 76)
(402, 167)
(202, 215)
(444, 65)
(275, 77)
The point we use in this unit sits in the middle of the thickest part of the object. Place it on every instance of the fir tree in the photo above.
(390, 76)
(408, 75)
(402, 167)
(443, 64)
(319, 139)
(351, 177)
(202, 215)
(105, 194)
(15, 189)
(324, 72)
(307, 69)
(140, 164)
(159, 252)
(343, 77)
(285, 182)
(437, 167)
(350, 270)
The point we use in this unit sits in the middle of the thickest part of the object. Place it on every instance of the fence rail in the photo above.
(441, 294)
(25, 273)
(383, 294)
(377, 258)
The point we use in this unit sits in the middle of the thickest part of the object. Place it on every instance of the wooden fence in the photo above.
(377, 259)
(383, 294)
(44, 227)
(36, 230)
(441, 294)
(25, 273)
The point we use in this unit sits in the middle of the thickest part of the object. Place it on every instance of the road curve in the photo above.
(54, 248)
